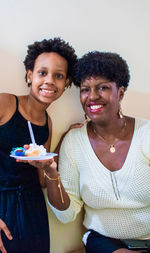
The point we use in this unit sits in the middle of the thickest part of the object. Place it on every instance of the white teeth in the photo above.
(94, 107)
(48, 91)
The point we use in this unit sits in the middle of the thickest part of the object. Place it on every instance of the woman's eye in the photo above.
(84, 90)
(103, 87)
(42, 73)
(59, 76)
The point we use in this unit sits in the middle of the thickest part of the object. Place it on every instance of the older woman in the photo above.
(104, 165)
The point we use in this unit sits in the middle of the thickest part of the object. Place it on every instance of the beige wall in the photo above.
(120, 26)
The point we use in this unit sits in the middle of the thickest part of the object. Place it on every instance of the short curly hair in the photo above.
(104, 64)
(56, 45)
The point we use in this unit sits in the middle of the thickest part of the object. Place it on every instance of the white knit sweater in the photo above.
(117, 204)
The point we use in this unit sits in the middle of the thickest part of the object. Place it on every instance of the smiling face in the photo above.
(100, 99)
(48, 78)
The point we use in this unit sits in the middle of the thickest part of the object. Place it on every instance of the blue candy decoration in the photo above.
(19, 151)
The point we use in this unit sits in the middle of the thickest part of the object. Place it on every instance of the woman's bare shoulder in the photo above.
(6, 98)
(7, 106)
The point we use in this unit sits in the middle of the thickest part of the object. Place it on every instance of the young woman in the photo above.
(49, 65)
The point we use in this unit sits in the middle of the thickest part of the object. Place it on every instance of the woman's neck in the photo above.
(32, 109)
(113, 129)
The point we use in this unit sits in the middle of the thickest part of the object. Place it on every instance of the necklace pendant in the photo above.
(112, 149)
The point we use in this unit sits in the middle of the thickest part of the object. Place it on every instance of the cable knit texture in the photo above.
(117, 204)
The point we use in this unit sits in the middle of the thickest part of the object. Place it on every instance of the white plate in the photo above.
(43, 157)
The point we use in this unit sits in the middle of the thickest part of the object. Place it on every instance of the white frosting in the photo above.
(34, 147)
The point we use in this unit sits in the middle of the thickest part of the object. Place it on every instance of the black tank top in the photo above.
(15, 133)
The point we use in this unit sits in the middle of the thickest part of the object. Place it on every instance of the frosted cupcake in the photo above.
(33, 150)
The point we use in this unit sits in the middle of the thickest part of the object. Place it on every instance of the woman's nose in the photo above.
(49, 79)
(94, 94)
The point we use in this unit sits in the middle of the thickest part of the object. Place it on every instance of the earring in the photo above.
(85, 118)
(28, 82)
(120, 113)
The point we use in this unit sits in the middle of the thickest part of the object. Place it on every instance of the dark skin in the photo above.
(48, 79)
(101, 100)
(111, 161)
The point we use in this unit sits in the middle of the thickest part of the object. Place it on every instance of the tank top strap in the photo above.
(46, 117)
(16, 102)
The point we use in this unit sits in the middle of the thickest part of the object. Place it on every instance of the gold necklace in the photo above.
(112, 148)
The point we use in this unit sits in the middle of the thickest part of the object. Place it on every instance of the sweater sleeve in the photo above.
(70, 178)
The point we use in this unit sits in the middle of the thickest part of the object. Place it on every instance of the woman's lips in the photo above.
(95, 108)
(47, 92)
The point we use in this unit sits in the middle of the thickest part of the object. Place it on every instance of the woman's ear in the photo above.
(121, 92)
(29, 76)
